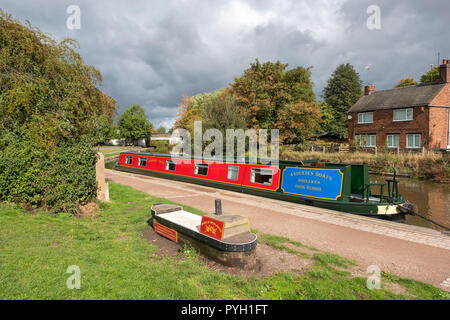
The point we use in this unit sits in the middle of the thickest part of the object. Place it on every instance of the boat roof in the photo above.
(260, 161)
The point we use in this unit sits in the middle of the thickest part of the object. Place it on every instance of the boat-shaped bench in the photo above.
(224, 238)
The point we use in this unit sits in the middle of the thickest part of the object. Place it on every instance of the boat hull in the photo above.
(384, 211)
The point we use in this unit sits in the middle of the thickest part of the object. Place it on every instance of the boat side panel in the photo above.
(217, 171)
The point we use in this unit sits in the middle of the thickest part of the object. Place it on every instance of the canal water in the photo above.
(432, 200)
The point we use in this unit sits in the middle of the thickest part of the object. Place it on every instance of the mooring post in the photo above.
(218, 207)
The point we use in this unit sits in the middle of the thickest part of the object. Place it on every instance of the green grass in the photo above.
(278, 242)
(117, 263)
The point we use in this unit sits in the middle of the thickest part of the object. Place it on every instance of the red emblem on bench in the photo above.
(212, 227)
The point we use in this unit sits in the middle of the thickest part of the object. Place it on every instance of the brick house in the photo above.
(410, 118)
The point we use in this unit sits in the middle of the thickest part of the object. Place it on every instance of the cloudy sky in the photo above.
(154, 52)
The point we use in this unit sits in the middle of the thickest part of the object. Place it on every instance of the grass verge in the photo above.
(117, 263)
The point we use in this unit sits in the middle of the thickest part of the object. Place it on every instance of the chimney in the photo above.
(444, 71)
(369, 89)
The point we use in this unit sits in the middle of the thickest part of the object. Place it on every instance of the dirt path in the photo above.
(404, 250)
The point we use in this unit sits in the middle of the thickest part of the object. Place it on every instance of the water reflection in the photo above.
(432, 200)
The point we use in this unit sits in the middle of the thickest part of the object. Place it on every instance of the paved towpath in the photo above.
(408, 251)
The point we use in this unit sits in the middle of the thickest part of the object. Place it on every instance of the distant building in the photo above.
(165, 137)
(413, 117)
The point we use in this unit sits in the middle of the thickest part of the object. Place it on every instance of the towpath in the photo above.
(404, 250)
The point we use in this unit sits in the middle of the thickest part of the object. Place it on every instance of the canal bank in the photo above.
(408, 251)
(431, 198)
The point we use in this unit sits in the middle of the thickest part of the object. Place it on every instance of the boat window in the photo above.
(201, 169)
(128, 160)
(261, 176)
(233, 173)
(142, 162)
(171, 165)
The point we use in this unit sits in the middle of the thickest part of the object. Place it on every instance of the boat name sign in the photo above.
(314, 183)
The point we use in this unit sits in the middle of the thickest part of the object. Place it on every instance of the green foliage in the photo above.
(162, 146)
(161, 130)
(134, 124)
(30, 176)
(406, 82)
(431, 76)
(52, 113)
(47, 90)
(341, 93)
(222, 112)
(276, 98)
(327, 116)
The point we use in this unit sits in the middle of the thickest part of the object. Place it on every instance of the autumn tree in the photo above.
(406, 82)
(274, 96)
(341, 93)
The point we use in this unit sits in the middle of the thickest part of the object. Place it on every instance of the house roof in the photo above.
(418, 95)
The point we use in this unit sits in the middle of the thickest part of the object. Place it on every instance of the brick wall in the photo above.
(431, 122)
(383, 125)
(439, 118)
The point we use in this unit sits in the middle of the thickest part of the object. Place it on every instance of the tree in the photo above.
(299, 121)
(52, 112)
(341, 93)
(47, 90)
(431, 76)
(161, 130)
(327, 118)
(268, 93)
(134, 124)
(406, 82)
(222, 112)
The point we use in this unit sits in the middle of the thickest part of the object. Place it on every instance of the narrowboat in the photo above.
(340, 187)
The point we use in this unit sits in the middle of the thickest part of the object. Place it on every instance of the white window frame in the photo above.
(414, 135)
(168, 163)
(362, 117)
(201, 165)
(360, 138)
(142, 159)
(408, 111)
(393, 136)
(126, 160)
(233, 170)
(261, 171)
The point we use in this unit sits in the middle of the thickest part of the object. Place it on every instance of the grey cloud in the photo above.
(153, 53)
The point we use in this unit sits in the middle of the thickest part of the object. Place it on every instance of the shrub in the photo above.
(57, 183)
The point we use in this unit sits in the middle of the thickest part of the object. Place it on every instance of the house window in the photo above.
(413, 140)
(403, 114)
(367, 140)
(128, 160)
(393, 140)
(201, 169)
(142, 162)
(261, 176)
(171, 165)
(366, 117)
(233, 173)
